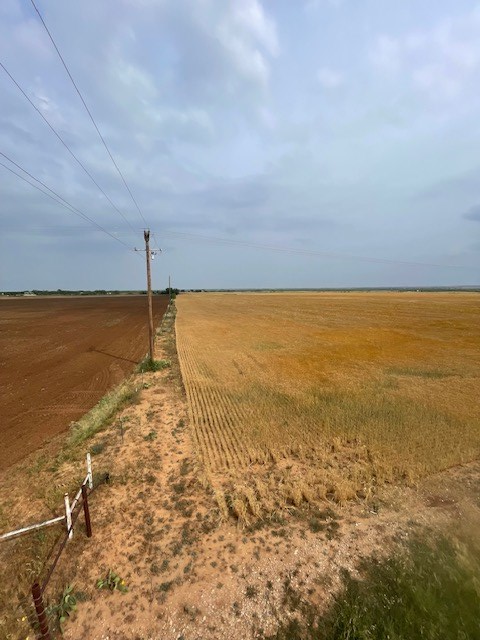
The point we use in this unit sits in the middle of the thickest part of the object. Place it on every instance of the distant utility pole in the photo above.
(146, 235)
(169, 292)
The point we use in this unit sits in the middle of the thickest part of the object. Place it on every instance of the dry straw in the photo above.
(298, 398)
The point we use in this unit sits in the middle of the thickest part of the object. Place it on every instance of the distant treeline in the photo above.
(341, 290)
(95, 292)
(174, 292)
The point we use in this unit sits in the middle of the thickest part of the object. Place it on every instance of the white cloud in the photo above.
(313, 5)
(134, 79)
(189, 125)
(248, 61)
(250, 15)
(440, 61)
(386, 54)
(329, 78)
(10, 8)
(248, 36)
(434, 78)
(267, 118)
(30, 37)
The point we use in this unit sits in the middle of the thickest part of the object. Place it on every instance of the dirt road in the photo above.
(58, 357)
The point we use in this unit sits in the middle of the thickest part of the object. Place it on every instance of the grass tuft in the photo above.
(101, 414)
(153, 365)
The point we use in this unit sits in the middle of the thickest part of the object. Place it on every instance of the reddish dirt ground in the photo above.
(59, 356)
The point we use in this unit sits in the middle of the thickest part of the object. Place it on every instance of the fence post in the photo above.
(89, 471)
(40, 609)
(68, 515)
(86, 511)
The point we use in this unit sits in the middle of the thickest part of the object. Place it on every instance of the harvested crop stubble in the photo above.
(300, 397)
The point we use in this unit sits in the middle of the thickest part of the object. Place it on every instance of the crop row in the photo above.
(216, 418)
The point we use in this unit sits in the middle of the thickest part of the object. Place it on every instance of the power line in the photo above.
(56, 197)
(304, 252)
(157, 246)
(65, 204)
(89, 112)
(64, 144)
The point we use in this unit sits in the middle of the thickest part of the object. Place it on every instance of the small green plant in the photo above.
(150, 478)
(64, 608)
(315, 525)
(97, 448)
(251, 592)
(184, 467)
(112, 582)
(151, 435)
(164, 566)
(179, 487)
(153, 365)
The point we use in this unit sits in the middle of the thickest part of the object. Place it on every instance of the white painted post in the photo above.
(68, 515)
(89, 471)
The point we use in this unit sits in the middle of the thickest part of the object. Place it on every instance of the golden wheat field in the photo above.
(298, 397)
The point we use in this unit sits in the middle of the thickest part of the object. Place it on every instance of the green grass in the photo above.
(97, 448)
(153, 365)
(98, 417)
(426, 591)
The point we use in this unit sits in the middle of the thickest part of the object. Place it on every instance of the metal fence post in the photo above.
(68, 515)
(86, 511)
(40, 609)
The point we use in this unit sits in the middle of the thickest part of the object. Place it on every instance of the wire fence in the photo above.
(72, 511)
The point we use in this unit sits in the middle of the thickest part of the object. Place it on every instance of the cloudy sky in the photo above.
(283, 143)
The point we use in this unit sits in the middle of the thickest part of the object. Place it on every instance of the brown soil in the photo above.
(82, 348)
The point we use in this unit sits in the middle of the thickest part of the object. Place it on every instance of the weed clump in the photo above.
(153, 365)
(112, 582)
(251, 592)
(60, 611)
(151, 435)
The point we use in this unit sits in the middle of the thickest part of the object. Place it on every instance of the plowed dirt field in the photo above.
(59, 356)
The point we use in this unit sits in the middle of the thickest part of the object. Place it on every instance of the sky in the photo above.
(283, 143)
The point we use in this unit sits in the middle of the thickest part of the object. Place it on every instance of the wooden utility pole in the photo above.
(146, 235)
(169, 292)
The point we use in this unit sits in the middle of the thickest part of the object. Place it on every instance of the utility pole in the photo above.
(169, 292)
(146, 235)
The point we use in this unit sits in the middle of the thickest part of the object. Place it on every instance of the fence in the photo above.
(70, 517)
